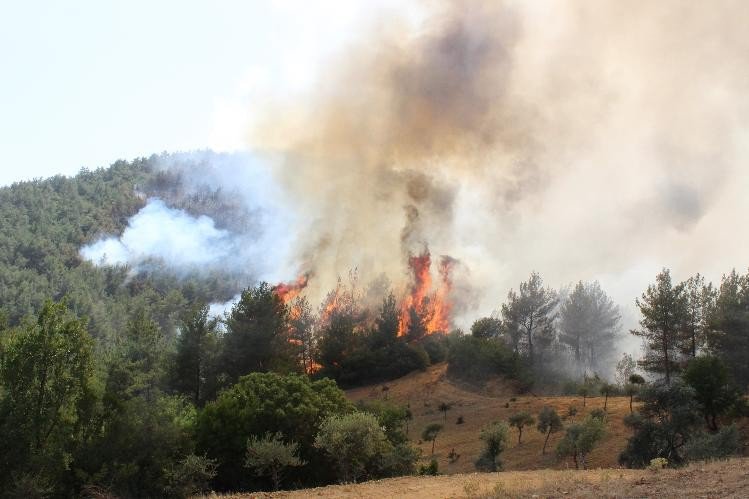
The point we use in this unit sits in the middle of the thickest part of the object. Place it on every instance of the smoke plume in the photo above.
(585, 140)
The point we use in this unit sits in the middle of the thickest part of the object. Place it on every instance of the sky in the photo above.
(85, 83)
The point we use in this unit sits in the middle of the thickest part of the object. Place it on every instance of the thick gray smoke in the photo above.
(585, 140)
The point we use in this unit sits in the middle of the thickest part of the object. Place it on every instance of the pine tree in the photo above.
(530, 315)
(662, 307)
(194, 360)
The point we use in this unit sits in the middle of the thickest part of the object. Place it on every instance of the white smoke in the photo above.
(248, 236)
(172, 236)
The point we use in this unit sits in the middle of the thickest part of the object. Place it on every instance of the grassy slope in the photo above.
(717, 479)
(424, 392)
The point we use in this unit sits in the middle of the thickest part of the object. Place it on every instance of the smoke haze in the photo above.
(584, 140)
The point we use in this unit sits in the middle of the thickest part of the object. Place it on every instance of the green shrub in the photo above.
(473, 359)
(436, 348)
(367, 366)
(263, 403)
(494, 437)
(724, 443)
(431, 469)
(355, 442)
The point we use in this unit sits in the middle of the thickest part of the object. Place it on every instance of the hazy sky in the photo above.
(86, 82)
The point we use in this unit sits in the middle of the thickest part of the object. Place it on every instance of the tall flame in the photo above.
(422, 302)
(287, 291)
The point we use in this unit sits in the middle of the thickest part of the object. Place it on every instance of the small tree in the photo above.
(625, 368)
(606, 390)
(430, 433)
(494, 437)
(663, 425)
(580, 439)
(708, 376)
(585, 389)
(548, 422)
(519, 421)
(444, 407)
(353, 441)
(487, 327)
(190, 476)
(633, 387)
(270, 456)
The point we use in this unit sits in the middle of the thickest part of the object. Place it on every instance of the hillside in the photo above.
(716, 479)
(423, 392)
(44, 224)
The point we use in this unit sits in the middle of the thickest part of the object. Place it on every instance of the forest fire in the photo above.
(425, 308)
(430, 307)
(287, 291)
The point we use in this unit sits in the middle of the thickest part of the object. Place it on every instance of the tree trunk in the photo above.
(665, 357)
(275, 476)
(433, 440)
(605, 401)
(546, 441)
(520, 433)
(630, 403)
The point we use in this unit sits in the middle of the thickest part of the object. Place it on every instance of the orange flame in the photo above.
(432, 307)
(287, 291)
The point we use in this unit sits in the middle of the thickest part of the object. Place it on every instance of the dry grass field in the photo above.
(423, 392)
(717, 479)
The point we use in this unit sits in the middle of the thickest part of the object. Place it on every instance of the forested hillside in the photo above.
(44, 224)
(116, 379)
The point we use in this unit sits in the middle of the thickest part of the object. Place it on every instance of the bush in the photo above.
(436, 348)
(708, 376)
(431, 469)
(666, 420)
(473, 359)
(658, 464)
(580, 439)
(270, 456)
(373, 366)
(726, 442)
(190, 476)
(494, 437)
(263, 403)
(391, 417)
(599, 414)
(355, 442)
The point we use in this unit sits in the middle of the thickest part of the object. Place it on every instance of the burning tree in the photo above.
(425, 310)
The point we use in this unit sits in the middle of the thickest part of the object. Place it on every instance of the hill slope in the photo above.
(423, 392)
(716, 479)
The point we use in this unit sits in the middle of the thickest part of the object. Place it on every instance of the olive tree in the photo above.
(548, 422)
(269, 455)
